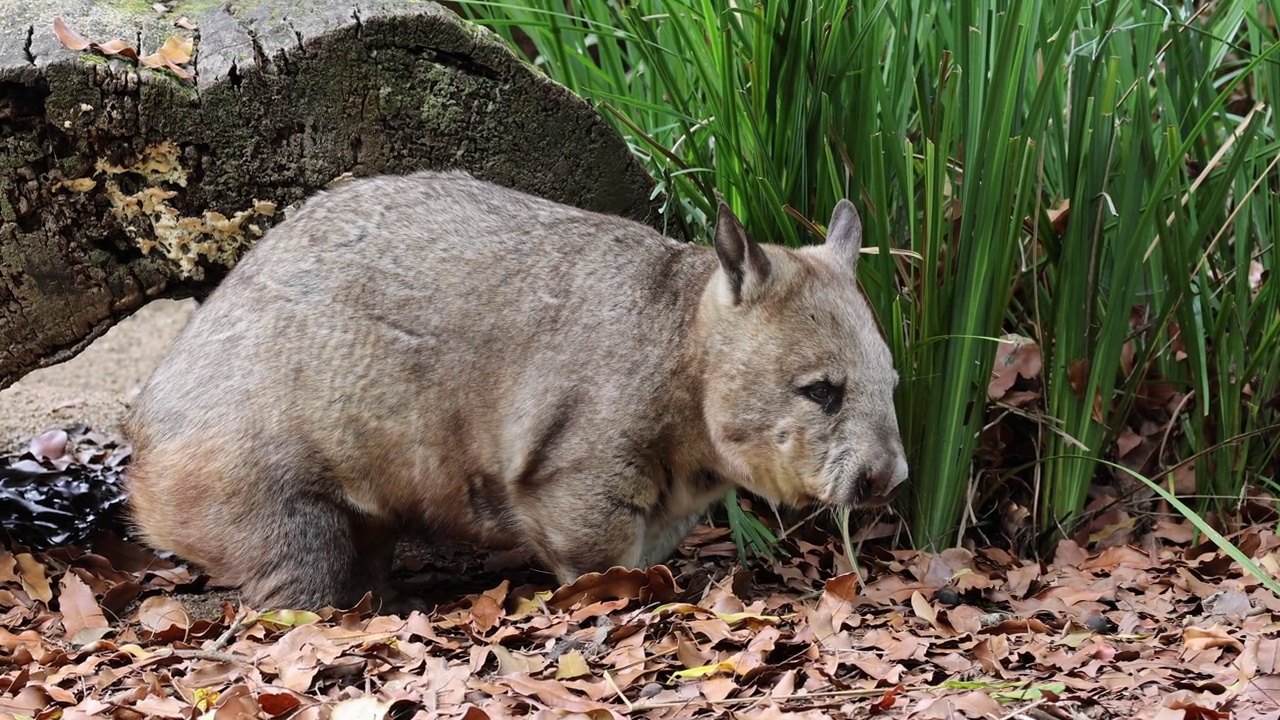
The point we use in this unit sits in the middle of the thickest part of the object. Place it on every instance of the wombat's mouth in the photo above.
(873, 503)
(857, 491)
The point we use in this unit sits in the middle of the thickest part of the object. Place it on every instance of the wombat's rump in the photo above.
(442, 351)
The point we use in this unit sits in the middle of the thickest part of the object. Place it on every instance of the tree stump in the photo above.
(120, 183)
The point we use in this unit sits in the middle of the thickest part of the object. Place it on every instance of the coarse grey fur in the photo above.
(443, 351)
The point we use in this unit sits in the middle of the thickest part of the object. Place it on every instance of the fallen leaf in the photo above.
(177, 49)
(117, 47)
(516, 663)
(281, 619)
(654, 584)
(1194, 638)
(365, 707)
(160, 613)
(276, 703)
(1016, 356)
(69, 39)
(49, 445)
(78, 606)
(717, 688)
(572, 665)
(1059, 215)
(236, 702)
(34, 581)
(485, 612)
(703, 670)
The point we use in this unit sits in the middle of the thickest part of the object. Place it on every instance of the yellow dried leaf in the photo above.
(34, 581)
(572, 665)
(205, 699)
(177, 49)
(280, 619)
(703, 670)
(135, 650)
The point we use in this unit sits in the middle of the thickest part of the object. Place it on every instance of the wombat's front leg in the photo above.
(662, 535)
(584, 523)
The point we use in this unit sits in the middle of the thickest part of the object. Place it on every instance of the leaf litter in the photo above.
(176, 51)
(1120, 622)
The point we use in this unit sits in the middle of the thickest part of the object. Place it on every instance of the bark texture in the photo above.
(120, 184)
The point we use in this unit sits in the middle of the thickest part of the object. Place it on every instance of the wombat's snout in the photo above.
(881, 485)
(877, 486)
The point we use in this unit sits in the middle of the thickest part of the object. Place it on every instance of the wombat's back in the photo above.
(394, 343)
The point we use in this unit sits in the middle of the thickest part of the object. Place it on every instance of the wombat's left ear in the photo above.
(844, 233)
(743, 260)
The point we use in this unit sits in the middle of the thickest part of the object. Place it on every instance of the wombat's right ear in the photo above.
(844, 233)
(742, 258)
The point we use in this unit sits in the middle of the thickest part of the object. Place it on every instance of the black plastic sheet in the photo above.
(62, 487)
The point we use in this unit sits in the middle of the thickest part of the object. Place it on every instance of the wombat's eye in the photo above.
(825, 394)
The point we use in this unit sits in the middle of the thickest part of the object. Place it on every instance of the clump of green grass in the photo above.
(1100, 177)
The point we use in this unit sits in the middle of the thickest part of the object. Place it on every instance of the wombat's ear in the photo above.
(742, 258)
(844, 233)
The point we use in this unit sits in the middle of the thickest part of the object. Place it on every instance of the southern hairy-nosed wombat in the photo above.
(443, 351)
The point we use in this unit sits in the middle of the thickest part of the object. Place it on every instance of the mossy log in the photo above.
(120, 183)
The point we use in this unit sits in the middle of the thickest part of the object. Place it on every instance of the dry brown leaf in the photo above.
(923, 609)
(1127, 441)
(1194, 638)
(236, 701)
(717, 688)
(34, 581)
(973, 704)
(8, 568)
(1016, 356)
(690, 655)
(176, 70)
(552, 693)
(517, 663)
(49, 445)
(276, 702)
(485, 612)
(79, 608)
(69, 39)
(1060, 215)
(655, 584)
(159, 613)
(117, 47)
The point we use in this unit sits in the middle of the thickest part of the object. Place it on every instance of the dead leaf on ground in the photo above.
(1016, 356)
(69, 38)
(654, 584)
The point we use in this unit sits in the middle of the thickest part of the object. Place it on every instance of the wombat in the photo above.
(437, 350)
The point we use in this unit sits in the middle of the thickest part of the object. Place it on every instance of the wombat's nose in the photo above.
(884, 482)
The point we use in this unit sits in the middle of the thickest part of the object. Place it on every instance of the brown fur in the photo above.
(438, 350)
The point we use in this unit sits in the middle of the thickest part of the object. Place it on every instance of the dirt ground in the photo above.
(95, 386)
